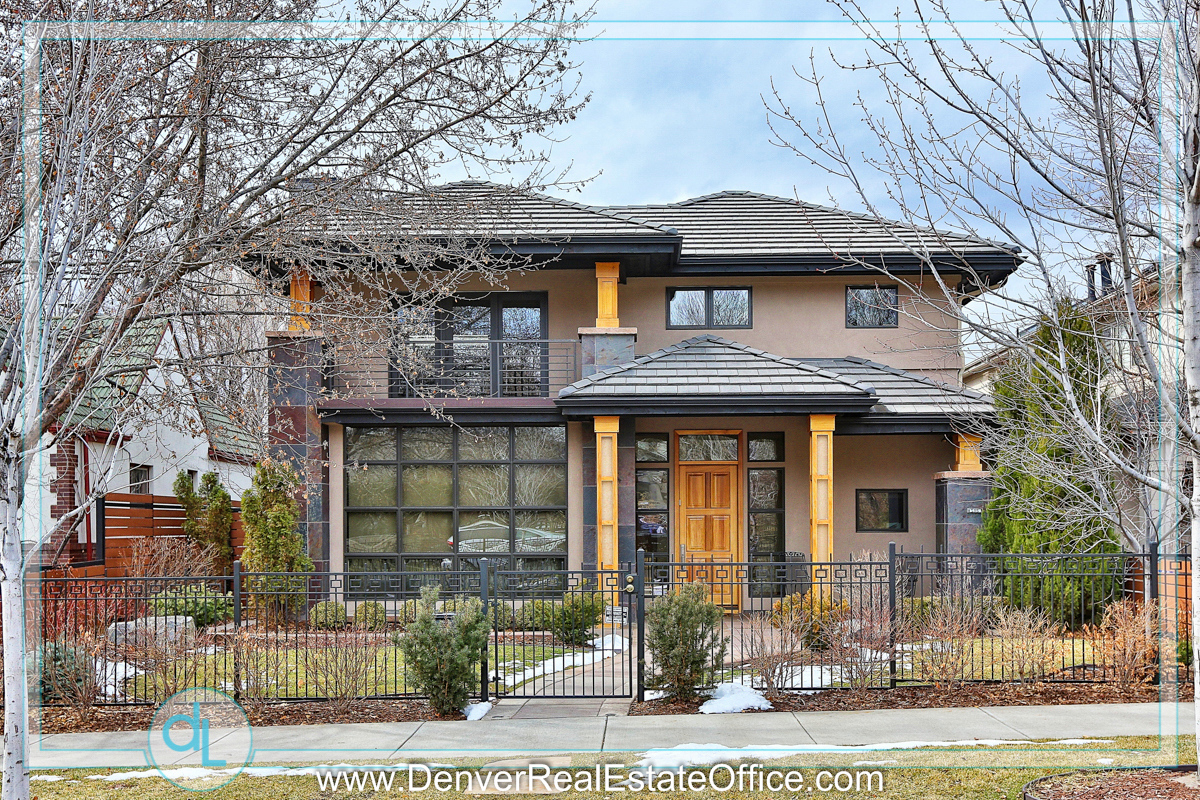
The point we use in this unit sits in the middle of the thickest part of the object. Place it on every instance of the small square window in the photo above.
(764, 446)
(881, 510)
(872, 307)
(139, 479)
(709, 307)
(652, 447)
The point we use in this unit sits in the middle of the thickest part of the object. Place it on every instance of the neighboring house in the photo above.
(710, 380)
(131, 436)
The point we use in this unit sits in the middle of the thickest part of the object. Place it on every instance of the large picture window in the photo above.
(872, 307)
(878, 510)
(715, 307)
(419, 496)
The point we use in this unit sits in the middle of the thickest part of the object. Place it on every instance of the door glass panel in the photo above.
(371, 532)
(483, 532)
(426, 444)
(766, 532)
(652, 447)
(731, 307)
(428, 485)
(548, 443)
(708, 447)
(541, 532)
(687, 308)
(766, 490)
(652, 534)
(371, 486)
(483, 444)
(652, 488)
(521, 323)
(370, 444)
(483, 485)
(541, 485)
(428, 532)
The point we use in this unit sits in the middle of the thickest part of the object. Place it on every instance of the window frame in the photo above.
(903, 493)
(873, 287)
(147, 483)
(708, 308)
(664, 511)
(779, 438)
(511, 509)
(779, 511)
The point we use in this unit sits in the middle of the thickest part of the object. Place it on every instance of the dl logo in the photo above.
(200, 739)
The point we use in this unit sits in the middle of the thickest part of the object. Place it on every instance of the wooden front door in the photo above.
(709, 526)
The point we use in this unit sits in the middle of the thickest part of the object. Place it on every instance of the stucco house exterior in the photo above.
(723, 379)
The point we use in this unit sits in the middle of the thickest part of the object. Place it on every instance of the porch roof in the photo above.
(907, 402)
(710, 375)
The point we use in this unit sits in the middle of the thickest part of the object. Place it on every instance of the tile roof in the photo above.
(226, 436)
(709, 366)
(905, 393)
(99, 406)
(489, 210)
(750, 224)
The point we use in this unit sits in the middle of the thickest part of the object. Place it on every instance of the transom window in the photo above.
(708, 447)
(881, 510)
(872, 306)
(418, 496)
(708, 307)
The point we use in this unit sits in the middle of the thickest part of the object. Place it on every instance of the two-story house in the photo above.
(720, 379)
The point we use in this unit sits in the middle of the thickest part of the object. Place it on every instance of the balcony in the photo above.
(462, 367)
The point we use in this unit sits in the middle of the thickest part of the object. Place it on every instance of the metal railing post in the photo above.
(237, 627)
(487, 611)
(1152, 597)
(639, 593)
(892, 615)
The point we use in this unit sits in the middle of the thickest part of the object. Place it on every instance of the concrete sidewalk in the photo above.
(590, 733)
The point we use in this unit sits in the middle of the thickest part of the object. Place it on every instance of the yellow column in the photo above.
(606, 491)
(966, 453)
(607, 276)
(820, 485)
(301, 294)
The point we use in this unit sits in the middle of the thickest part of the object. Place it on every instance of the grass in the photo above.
(992, 773)
(290, 674)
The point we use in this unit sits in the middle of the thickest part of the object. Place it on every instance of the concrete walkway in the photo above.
(583, 732)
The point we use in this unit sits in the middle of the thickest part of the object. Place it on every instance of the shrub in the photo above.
(406, 612)
(573, 619)
(814, 610)
(443, 655)
(208, 517)
(67, 671)
(684, 641)
(772, 650)
(370, 616)
(204, 605)
(262, 668)
(273, 541)
(1126, 641)
(1028, 645)
(535, 615)
(342, 666)
(1183, 652)
(328, 615)
(950, 631)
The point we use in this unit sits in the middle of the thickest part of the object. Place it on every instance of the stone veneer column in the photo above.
(962, 494)
(294, 429)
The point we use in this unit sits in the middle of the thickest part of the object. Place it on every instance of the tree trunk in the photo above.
(16, 718)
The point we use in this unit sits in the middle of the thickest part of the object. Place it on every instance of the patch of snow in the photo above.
(1104, 761)
(655, 694)
(559, 664)
(734, 698)
(476, 711)
(616, 644)
(112, 675)
(46, 777)
(198, 773)
(691, 755)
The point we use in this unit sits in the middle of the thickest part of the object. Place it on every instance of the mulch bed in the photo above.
(1139, 784)
(968, 695)
(64, 720)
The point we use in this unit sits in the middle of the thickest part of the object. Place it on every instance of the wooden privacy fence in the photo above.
(123, 519)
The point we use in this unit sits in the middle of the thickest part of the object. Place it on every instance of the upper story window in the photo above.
(872, 306)
(139, 478)
(708, 307)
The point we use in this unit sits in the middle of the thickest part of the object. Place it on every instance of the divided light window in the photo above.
(420, 496)
(872, 307)
(879, 510)
(653, 497)
(710, 307)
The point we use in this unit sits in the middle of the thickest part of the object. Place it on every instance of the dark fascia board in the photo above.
(995, 266)
(876, 424)
(405, 411)
(764, 405)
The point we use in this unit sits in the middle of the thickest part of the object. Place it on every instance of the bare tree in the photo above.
(178, 171)
(1099, 158)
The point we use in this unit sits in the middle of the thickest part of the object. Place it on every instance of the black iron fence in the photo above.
(893, 619)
